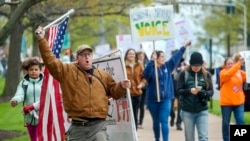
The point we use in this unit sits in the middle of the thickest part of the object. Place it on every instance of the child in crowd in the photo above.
(28, 92)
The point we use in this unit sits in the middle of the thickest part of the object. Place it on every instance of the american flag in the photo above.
(51, 116)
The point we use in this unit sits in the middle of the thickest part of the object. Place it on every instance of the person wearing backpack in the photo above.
(194, 87)
(28, 92)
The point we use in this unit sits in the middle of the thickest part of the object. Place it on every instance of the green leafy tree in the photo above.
(14, 28)
(92, 19)
(220, 24)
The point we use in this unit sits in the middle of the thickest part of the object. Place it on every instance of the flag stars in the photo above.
(57, 46)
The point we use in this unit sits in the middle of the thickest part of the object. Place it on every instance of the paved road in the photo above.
(215, 133)
(146, 134)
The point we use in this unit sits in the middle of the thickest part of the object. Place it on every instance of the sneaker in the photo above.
(171, 122)
(140, 126)
(178, 127)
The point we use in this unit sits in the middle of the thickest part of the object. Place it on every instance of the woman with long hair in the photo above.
(232, 97)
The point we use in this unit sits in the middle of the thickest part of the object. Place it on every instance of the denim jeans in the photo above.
(226, 116)
(198, 120)
(159, 112)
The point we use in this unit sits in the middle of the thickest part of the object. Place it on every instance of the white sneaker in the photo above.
(140, 126)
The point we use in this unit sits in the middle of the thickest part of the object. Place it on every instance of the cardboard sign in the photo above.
(120, 121)
(152, 23)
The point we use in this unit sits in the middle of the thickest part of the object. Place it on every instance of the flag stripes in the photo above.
(51, 119)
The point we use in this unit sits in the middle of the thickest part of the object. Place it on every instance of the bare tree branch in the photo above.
(22, 8)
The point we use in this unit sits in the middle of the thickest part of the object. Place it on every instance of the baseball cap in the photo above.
(81, 48)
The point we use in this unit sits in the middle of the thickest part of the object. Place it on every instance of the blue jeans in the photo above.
(198, 120)
(226, 116)
(159, 112)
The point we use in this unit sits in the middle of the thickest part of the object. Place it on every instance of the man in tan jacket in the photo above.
(85, 90)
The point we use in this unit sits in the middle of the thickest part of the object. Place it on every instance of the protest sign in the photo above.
(152, 23)
(120, 120)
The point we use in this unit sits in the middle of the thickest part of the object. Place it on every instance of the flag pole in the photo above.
(60, 18)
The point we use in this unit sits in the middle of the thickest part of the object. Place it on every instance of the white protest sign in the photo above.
(125, 42)
(113, 66)
(183, 31)
(102, 49)
(152, 23)
(120, 123)
(246, 56)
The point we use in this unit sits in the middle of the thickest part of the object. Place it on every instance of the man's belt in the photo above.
(84, 122)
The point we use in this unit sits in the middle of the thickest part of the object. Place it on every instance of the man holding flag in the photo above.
(85, 90)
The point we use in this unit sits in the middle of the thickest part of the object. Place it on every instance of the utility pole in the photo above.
(245, 23)
(228, 45)
(210, 67)
(231, 5)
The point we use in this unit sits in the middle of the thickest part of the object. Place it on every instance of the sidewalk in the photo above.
(146, 134)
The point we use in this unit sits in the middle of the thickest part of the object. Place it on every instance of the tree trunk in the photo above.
(14, 60)
(15, 17)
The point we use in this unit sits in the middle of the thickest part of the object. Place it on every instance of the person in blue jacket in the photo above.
(159, 104)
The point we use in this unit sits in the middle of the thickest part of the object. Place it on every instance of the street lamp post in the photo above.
(226, 4)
